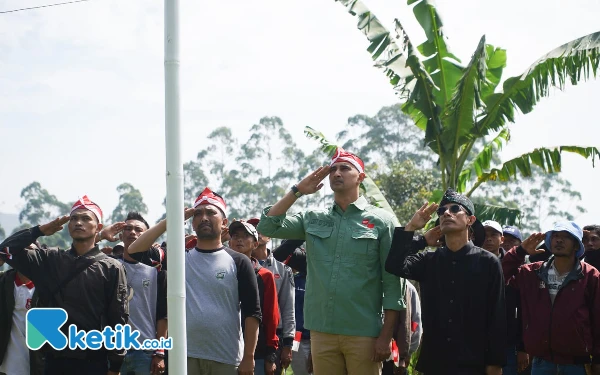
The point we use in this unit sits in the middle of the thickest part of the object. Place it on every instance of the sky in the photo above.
(82, 98)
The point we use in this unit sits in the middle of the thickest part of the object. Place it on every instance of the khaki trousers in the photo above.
(340, 354)
(197, 366)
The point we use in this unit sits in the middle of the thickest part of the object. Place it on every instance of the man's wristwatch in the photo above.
(296, 192)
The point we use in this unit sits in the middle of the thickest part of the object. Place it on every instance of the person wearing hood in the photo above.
(462, 290)
(560, 299)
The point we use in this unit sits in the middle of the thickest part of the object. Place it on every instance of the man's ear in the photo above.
(225, 222)
(361, 177)
(100, 226)
(472, 219)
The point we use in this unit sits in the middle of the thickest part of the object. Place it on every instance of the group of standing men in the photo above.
(486, 306)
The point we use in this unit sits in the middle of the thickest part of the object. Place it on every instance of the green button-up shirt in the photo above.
(347, 287)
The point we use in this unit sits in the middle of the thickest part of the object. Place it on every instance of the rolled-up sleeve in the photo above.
(394, 287)
(289, 227)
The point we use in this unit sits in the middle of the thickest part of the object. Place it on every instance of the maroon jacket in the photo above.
(567, 331)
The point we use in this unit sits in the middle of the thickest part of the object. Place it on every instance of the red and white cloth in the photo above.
(85, 203)
(208, 197)
(343, 155)
(16, 359)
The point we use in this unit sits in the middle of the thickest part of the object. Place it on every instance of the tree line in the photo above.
(254, 172)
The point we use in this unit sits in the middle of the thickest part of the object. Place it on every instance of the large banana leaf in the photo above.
(383, 47)
(574, 61)
(402, 64)
(463, 107)
(503, 215)
(368, 186)
(483, 160)
(549, 160)
(443, 66)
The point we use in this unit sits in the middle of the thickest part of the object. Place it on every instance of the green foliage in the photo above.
(406, 187)
(40, 208)
(458, 106)
(130, 199)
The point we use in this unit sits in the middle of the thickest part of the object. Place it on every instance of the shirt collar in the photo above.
(361, 203)
(460, 253)
(19, 282)
(94, 252)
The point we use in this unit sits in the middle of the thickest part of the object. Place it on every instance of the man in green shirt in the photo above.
(351, 303)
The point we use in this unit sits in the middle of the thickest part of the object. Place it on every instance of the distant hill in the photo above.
(9, 222)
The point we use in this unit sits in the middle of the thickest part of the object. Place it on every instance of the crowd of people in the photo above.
(346, 292)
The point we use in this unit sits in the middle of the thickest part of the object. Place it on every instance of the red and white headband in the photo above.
(208, 197)
(85, 203)
(343, 155)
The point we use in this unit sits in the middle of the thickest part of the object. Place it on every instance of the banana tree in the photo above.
(459, 105)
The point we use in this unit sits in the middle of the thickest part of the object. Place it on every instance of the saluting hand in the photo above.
(54, 226)
(188, 213)
(433, 236)
(532, 242)
(312, 183)
(421, 217)
(110, 232)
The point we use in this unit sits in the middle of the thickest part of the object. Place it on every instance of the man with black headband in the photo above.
(462, 290)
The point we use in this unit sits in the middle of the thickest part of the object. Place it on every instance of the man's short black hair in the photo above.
(593, 228)
(134, 215)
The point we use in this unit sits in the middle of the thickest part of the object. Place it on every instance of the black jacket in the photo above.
(94, 299)
(462, 303)
(7, 306)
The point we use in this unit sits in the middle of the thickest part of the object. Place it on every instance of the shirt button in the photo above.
(337, 256)
(451, 301)
(454, 263)
(452, 282)
(449, 320)
(330, 298)
(449, 339)
(333, 276)
(344, 218)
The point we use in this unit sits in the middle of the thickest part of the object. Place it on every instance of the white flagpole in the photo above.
(175, 223)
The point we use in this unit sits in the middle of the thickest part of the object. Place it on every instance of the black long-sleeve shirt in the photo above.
(463, 305)
(290, 254)
(95, 298)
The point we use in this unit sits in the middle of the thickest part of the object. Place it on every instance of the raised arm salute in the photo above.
(346, 248)
(462, 290)
(90, 286)
(220, 285)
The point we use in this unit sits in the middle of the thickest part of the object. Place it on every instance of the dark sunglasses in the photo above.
(454, 209)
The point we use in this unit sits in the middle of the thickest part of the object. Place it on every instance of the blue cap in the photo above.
(571, 228)
(513, 231)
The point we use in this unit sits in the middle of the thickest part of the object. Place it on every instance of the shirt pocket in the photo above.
(364, 244)
(318, 237)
